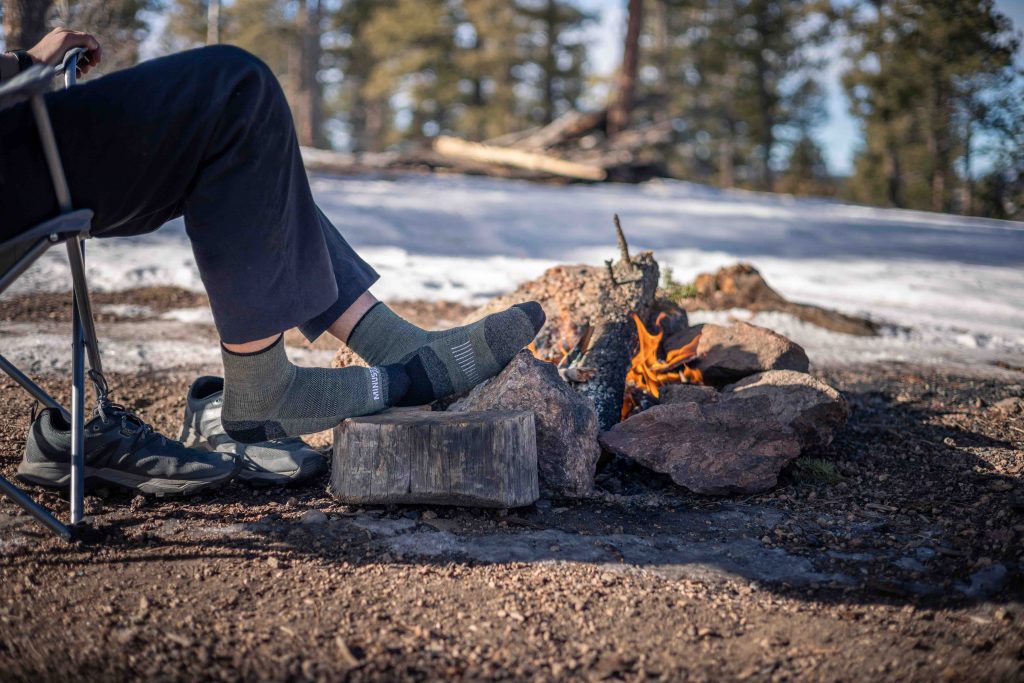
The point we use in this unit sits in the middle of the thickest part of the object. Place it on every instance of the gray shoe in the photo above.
(121, 451)
(270, 463)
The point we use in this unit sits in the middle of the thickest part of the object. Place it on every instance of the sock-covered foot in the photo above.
(383, 337)
(266, 397)
(457, 360)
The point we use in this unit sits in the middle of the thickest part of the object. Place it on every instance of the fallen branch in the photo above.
(533, 161)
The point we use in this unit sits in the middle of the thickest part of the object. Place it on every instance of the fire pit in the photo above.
(719, 408)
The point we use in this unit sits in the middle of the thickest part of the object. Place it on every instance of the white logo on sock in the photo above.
(466, 359)
(375, 383)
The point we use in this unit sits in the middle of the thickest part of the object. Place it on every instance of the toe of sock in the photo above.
(534, 312)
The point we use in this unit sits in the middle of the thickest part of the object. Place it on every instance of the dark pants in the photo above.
(205, 134)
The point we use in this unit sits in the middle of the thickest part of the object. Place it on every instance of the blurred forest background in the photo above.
(723, 92)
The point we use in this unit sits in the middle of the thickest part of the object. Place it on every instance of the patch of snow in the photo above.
(201, 314)
(956, 282)
(127, 310)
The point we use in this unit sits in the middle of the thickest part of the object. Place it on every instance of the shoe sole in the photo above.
(310, 467)
(59, 477)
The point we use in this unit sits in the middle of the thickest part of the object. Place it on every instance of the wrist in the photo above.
(24, 59)
(8, 66)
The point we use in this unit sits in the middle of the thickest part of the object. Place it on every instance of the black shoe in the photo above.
(120, 450)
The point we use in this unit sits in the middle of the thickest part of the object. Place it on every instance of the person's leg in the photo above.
(439, 363)
(208, 134)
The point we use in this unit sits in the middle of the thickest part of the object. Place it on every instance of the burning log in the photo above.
(603, 299)
(648, 372)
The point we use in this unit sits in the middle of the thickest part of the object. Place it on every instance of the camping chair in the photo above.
(19, 251)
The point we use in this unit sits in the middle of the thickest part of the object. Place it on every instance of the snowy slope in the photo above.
(958, 283)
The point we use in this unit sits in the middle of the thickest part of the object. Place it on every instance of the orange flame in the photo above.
(649, 373)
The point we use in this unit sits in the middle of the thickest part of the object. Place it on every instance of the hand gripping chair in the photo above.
(19, 251)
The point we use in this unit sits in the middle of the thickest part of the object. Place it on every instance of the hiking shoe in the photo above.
(268, 463)
(120, 450)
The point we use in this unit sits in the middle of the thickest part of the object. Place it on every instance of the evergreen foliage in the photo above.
(933, 84)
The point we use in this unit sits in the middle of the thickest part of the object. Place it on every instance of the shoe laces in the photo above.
(109, 411)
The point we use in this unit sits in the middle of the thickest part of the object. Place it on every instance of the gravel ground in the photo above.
(894, 553)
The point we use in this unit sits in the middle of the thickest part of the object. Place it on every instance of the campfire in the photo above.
(648, 373)
(618, 366)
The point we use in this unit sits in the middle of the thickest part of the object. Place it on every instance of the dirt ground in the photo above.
(895, 553)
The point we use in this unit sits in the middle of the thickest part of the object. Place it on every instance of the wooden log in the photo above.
(570, 125)
(518, 158)
(484, 459)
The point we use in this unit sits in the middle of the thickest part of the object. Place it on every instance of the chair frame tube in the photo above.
(84, 340)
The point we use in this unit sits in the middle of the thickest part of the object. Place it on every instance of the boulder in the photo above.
(741, 286)
(716, 448)
(812, 409)
(728, 354)
(688, 393)
(567, 449)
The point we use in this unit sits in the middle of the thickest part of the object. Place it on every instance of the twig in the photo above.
(621, 237)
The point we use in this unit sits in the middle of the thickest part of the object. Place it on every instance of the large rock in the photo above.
(812, 409)
(728, 354)
(567, 449)
(715, 447)
(688, 393)
(741, 286)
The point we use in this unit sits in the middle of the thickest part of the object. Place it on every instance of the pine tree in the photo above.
(412, 43)
(490, 59)
(366, 115)
(914, 87)
(721, 67)
(556, 55)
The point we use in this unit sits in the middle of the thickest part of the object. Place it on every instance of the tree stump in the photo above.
(485, 459)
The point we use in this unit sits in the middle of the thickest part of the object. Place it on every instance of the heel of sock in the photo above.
(253, 431)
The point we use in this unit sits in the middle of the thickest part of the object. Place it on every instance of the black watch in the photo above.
(24, 60)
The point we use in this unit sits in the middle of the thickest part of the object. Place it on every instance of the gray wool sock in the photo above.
(457, 360)
(267, 397)
(382, 336)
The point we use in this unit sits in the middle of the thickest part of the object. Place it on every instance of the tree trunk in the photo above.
(213, 22)
(766, 104)
(307, 105)
(550, 61)
(663, 56)
(967, 202)
(622, 107)
(485, 459)
(725, 170)
(892, 161)
(24, 22)
(939, 144)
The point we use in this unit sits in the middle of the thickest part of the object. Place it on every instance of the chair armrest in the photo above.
(33, 80)
(36, 79)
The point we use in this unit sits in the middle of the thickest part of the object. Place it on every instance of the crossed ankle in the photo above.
(266, 397)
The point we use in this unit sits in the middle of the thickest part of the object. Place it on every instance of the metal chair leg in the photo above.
(38, 393)
(76, 257)
(77, 414)
(35, 509)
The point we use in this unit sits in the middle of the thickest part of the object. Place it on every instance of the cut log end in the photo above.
(485, 459)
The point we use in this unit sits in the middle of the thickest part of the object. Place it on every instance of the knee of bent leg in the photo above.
(250, 79)
(232, 59)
